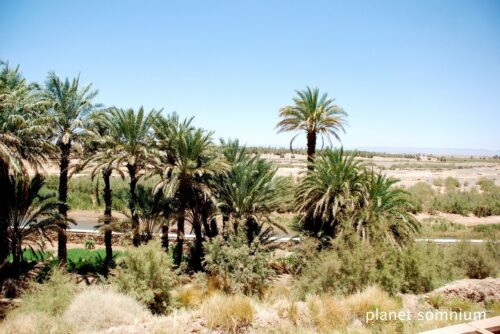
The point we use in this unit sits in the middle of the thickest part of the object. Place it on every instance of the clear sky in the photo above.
(409, 73)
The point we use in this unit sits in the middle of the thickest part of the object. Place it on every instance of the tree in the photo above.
(330, 194)
(131, 138)
(70, 105)
(23, 139)
(102, 162)
(167, 131)
(30, 214)
(387, 213)
(250, 191)
(341, 196)
(314, 115)
(194, 162)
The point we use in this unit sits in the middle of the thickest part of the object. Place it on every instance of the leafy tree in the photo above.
(340, 196)
(70, 105)
(250, 191)
(316, 116)
(130, 137)
(194, 162)
(23, 139)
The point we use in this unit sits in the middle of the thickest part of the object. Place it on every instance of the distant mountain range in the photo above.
(434, 151)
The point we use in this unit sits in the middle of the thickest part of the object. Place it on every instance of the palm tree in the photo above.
(194, 162)
(102, 162)
(167, 130)
(23, 138)
(250, 191)
(316, 116)
(387, 213)
(29, 213)
(70, 105)
(130, 137)
(330, 194)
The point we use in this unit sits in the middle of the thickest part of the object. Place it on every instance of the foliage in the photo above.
(340, 195)
(234, 265)
(313, 114)
(146, 273)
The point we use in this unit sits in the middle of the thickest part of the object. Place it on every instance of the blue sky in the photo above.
(409, 73)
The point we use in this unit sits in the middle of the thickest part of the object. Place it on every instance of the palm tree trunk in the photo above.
(108, 202)
(4, 224)
(311, 149)
(180, 225)
(132, 171)
(214, 231)
(164, 236)
(198, 246)
(63, 208)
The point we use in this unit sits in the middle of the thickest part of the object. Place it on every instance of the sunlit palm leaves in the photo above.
(342, 196)
(315, 115)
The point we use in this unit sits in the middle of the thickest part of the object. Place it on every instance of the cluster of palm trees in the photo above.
(196, 181)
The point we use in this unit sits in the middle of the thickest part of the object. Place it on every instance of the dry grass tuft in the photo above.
(370, 300)
(189, 295)
(98, 308)
(328, 313)
(34, 323)
(227, 312)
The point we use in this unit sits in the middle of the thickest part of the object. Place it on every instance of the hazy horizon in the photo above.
(414, 74)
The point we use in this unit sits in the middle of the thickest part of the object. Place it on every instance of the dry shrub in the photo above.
(34, 323)
(98, 308)
(328, 313)
(51, 297)
(227, 312)
(371, 299)
(189, 295)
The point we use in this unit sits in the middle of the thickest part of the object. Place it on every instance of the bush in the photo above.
(370, 300)
(51, 297)
(229, 313)
(451, 184)
(98, 308)
(235, 266)
(328, 313)
(146, 273)
(34, 323)
(475, 260)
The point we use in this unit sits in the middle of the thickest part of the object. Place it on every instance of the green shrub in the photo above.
(475, 260)
(421, 195)
(486, 185)
(235, 266)
(146, 273)
(451, 184)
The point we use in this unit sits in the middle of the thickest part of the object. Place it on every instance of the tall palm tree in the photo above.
(194, 162)
(316, 116)
(70, 105)
(102, 162)
(131, 139)
(167, 130)
(23, 138)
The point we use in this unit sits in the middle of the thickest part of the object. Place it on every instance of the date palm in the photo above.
(23, 138)
(250, 191)
(194, 162)
(70, 105)
(316, 116)
(330, 194)
(101, 162)
(167, 130)
(30, 214)
(130, 137)
(387, 214)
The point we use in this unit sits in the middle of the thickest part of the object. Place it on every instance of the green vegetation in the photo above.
(481, 204)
